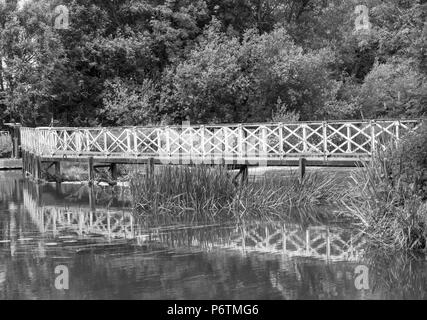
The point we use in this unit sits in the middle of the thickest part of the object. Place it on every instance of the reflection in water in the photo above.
(112, 255)
(320, 242)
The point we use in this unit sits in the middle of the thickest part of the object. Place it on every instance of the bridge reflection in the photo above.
(77, 218)
(79, 214)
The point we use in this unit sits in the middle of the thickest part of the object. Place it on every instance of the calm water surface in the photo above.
(110, 255)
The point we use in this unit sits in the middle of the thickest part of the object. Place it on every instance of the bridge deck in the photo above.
(290, 162)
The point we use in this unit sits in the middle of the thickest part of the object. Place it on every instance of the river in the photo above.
(108, 254)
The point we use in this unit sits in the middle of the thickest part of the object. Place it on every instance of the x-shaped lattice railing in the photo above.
(262, 141)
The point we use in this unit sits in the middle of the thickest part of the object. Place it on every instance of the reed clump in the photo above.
(387, 197)
(211, 193)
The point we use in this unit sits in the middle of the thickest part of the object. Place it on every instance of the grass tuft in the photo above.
(210, 193)
(387, 207)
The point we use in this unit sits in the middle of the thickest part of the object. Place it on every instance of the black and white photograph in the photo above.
(213, 155)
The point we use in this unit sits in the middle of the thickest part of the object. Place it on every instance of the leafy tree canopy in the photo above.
(135, 62)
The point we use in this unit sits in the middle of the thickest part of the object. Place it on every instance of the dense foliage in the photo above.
(387, 196)
(128, 62)
(407, 163)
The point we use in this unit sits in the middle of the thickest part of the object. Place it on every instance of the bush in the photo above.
(387, 196)
(407, 163)
(394, 89)
(226, 79)
(5, 146)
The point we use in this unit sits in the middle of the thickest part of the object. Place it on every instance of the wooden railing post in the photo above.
(135, 141)
(168, 145)
(304, 138)
(228, 146)
(349, 142)
(87, 149)
(397, 123)
(79, 140)
(241, 142)
(398, 133)
(159, 141)
(325, 138)
(185, 155)
(373, 142)
(264, 157)
(202, 143)
(128, 142)
(281, 142)
(105, 141)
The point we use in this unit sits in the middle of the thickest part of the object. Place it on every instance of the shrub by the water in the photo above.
(409, 161)
(388, 195)
(206, 193)
(5, 146)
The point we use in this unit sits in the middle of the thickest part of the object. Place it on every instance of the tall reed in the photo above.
(211, 193)
(386, 205)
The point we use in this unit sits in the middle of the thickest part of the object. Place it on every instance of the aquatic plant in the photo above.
(387, 196)
(212, 193)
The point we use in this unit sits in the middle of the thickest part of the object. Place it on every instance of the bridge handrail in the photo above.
(255, 142)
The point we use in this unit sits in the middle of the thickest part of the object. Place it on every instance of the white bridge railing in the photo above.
(242, 142)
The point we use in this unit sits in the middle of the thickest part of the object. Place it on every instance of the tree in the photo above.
(127, 103)
(227, 80)
(395, 89)
(33, 59)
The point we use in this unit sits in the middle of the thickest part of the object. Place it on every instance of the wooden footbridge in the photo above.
(338, 143)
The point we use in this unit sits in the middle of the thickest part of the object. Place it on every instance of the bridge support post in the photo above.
(150, 166)
(37, 168)
(113, 170)
(91, 171)
(302, 168)
(24, 163)
(58, 171)
(243, 174)
(32, 165)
